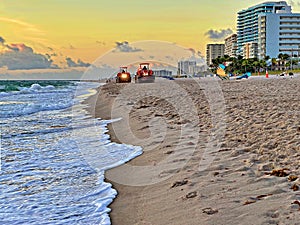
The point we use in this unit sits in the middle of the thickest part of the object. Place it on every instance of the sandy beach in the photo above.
(215, 152)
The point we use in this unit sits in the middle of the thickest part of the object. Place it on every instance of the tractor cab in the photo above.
(123, 69)
(144, 74)
(123, 76)
(144, 66)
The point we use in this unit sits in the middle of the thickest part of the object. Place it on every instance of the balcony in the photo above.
(290, 34)
(291, 41)
(297, 23)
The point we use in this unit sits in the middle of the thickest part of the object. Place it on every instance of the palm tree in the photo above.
(288, 64)
(256, 65)
(262, 65)
(285, 56)
(274, 62)
(245, 63)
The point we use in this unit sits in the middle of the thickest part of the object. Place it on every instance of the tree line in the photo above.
(254, 65)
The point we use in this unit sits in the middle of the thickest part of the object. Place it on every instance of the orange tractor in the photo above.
(144, 74)
(123, 76)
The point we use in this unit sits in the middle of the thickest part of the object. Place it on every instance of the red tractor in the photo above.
(144, 74)
(123, 76)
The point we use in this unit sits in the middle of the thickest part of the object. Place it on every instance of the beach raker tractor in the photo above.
(144, 74)
(123, 76)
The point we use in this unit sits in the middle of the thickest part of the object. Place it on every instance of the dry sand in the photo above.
(243, 136)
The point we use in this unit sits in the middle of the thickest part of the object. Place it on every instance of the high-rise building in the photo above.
(278, 33)
(231, 45)
(250, 50)
(247, 22)
(214, 51)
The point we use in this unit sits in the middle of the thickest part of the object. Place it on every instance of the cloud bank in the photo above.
(218, 34)
(125, 47)
(79, 63)
(20, 56)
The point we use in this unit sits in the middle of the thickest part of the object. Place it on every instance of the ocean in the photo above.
(54, 155)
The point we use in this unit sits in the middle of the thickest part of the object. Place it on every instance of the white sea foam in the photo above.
(48, 152)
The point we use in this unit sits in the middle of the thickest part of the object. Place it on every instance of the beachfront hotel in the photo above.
(247, 24)
(278, 33)
(214, 51)
(231, 45)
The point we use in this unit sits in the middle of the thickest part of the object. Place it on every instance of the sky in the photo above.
(86, 29)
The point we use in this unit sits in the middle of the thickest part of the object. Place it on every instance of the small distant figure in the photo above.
(144, 68)
(123, 71)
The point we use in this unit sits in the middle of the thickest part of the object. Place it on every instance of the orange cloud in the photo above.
(28, 26)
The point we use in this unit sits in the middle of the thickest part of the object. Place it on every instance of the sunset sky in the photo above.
(86, 29)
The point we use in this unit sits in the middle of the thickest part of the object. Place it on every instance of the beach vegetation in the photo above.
(239, 65)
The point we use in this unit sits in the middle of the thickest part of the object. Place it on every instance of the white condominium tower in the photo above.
(231, 45)
(278, 33)
(247, 22)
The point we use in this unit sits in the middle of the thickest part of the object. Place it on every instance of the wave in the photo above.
(10, 86)
(33, 99)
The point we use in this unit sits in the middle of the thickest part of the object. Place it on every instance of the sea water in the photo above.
(53, 155)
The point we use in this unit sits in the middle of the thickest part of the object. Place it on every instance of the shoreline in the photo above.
(257, 135)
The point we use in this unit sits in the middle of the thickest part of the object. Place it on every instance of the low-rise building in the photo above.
(189, 67)
(161, 73)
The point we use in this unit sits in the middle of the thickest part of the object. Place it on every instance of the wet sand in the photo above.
(214, 152)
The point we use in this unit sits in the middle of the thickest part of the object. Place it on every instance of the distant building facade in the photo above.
(161, 73)
(189, 67)
(278, 33)
(247, 21)
(250, 50)
(214, 51)
(231, 45)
